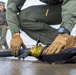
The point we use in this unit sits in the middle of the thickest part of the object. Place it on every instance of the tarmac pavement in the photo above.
(13, 66)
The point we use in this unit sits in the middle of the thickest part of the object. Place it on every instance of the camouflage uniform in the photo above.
(33, 21)
(3, 29)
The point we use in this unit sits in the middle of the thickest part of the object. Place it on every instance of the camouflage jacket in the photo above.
(68, 13)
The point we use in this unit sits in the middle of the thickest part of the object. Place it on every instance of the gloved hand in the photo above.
(70, 43)
(15, 44)
(57, 45)
(75, 42)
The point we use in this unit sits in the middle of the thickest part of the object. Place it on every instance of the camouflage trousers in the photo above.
(36, 24)
(3, 32)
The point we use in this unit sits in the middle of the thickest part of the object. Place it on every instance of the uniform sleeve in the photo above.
(13, 8)
(69, 14)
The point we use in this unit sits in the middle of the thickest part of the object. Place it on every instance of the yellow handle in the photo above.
(35, 51)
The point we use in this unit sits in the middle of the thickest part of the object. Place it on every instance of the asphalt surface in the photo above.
(31, 66)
